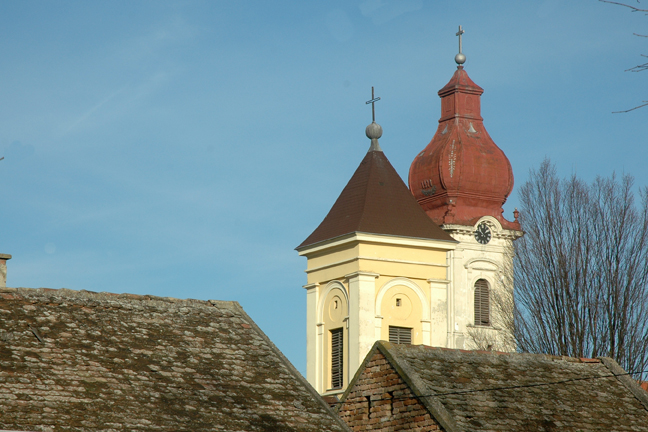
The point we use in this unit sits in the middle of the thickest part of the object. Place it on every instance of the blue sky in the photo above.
(185, 149)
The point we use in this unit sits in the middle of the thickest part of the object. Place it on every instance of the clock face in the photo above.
(483, 233)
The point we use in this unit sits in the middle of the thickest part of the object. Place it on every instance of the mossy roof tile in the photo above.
(125, 362)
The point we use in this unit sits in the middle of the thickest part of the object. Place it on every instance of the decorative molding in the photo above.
(361, 273)
(425, 307)
(469, 264)
(368, 258)
(480, 327)
(440, 281)
(378, 238)
(497, 231)
(333, 285)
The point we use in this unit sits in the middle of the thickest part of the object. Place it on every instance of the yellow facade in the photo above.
(365, 283)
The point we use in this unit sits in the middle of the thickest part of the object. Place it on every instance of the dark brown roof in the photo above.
(483, 391)
(376, 201)
(77, 361)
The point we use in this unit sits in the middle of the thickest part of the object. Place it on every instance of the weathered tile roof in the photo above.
(376, 201)
(86, 361)
(483, 391)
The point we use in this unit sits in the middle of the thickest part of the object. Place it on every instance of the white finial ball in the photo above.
(373, 131)
(460, 59)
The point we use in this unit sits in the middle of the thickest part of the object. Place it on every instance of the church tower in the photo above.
(376, 269)
(423, 265)
(461, 180)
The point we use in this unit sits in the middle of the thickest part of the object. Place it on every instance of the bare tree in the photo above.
(581, 270)
(641, 67)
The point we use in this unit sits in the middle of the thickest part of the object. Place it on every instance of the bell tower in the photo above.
(425, 265)
(377, 269)
(461, 180)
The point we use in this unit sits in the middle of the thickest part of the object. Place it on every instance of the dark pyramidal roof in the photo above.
(376, 201)
(487, 391)
(80, 361)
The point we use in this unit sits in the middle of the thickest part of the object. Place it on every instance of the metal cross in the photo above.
(459, 33)
(373, 102)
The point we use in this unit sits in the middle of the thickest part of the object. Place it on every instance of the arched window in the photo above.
(482, 303)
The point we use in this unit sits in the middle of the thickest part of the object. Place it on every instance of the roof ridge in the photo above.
(105, 296)
(288, 364)
(505, 353)
(365, 201)
(625, 379)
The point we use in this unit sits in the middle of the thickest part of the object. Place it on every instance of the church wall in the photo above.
(401, 306)
(435, 288)
(394, 260)
(335, 310)
(397, 252)
(337, 272)
(368, 277)
(405, 269)
(472, 261)
(439, 313)
(332, 255)
(332, 263)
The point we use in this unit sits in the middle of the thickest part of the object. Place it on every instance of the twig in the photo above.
(634, 9)
(631, 109)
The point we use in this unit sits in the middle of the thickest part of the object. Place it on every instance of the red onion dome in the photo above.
(462, 175)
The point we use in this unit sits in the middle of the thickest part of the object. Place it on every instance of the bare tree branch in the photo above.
(581, 270)
(632, 109)
(638, 68)
(634, 9)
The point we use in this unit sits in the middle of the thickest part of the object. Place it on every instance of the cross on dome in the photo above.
(373, 102)
(460, 58)
(373, 131)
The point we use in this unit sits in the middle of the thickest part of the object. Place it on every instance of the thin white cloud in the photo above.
(83, 117)
(382, 11)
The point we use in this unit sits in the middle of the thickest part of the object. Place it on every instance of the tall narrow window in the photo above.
(337, 358)
(400, 335)
(482, 303)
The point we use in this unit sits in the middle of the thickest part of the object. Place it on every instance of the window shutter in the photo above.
(482, 303)
(337, 358)
(400, 335)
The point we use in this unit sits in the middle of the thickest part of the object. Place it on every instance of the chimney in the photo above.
(3, 269)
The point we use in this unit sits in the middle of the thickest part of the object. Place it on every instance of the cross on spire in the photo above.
(459, 33)
(373, 106)
(460, 58)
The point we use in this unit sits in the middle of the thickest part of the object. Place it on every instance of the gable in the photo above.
(381, 401)
(84, 361)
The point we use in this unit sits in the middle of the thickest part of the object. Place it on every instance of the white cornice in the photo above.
(469, 230)
(378, 238)
(439, 281)
(361, 273)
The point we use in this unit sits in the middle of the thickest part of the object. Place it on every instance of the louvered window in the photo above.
(400, 335)
(337, 358)
(482, 303)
